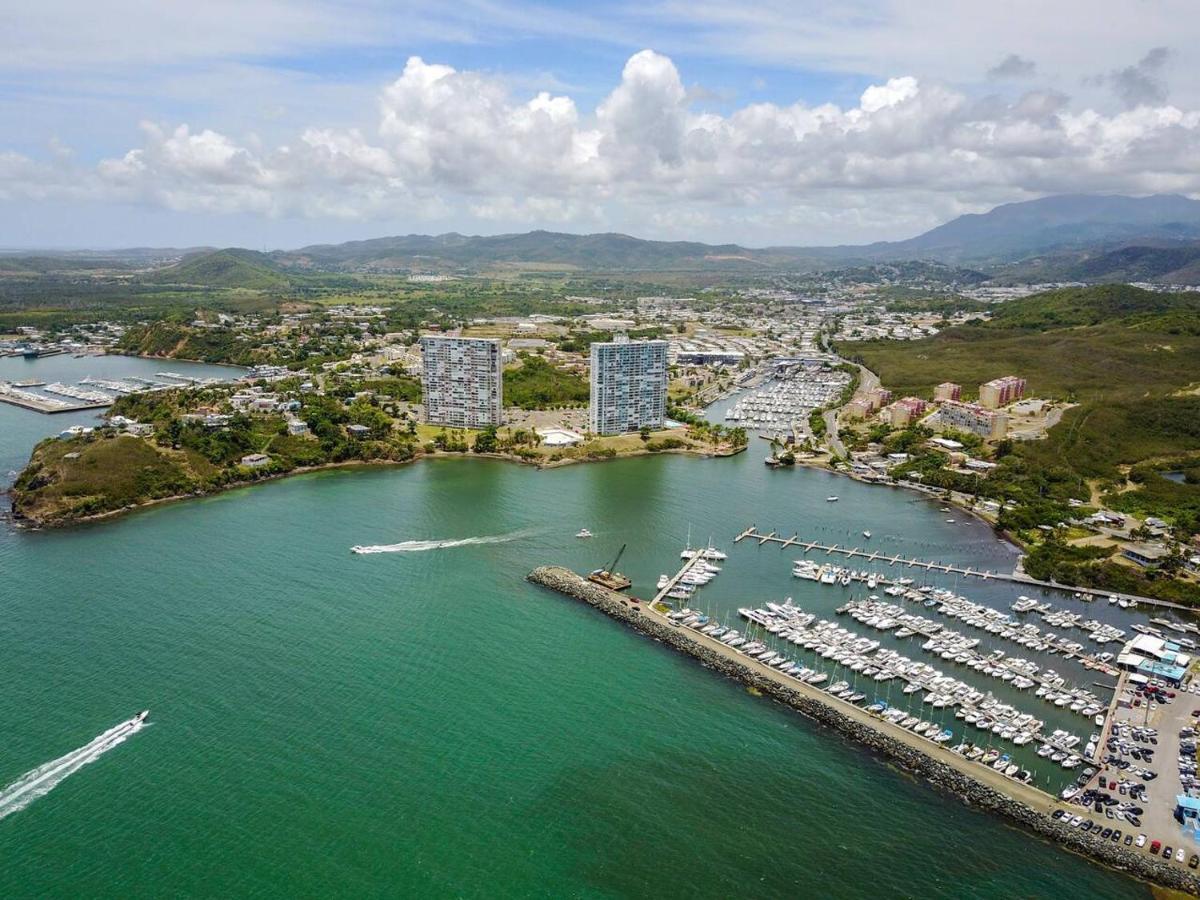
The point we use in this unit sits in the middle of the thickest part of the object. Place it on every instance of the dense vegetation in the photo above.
(220, 345)
(1104, 304)
(536, 384)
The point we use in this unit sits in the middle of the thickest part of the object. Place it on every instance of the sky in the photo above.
(275, 124)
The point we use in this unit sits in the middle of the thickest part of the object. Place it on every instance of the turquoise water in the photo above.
(427, 724)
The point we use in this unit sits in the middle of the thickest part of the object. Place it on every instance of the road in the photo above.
(867, 382)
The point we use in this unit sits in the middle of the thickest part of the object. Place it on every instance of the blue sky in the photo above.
(277, 123)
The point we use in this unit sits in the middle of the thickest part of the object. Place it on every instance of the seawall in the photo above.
(975, 784)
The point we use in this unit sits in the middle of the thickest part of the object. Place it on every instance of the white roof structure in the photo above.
(559, 437)
(1147, 645)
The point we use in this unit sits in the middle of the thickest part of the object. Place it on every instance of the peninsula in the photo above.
(170, 445)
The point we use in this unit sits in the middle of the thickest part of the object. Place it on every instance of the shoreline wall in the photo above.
(972, 791)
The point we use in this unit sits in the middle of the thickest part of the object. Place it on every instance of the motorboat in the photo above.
(831, 499)
(867, 535)
(583, 533)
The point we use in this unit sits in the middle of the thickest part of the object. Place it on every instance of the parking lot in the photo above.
(1147, 757)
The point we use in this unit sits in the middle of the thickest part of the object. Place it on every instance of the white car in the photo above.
(1141, 841)
(1179, 855)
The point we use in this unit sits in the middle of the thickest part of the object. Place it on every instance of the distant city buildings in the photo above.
(628, 386)
(989, 424)
(1001, 391)
(462, 380)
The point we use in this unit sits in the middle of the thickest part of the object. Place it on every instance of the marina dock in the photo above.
(892, 559)
(39, 403)
(934, 566)
(688, 565)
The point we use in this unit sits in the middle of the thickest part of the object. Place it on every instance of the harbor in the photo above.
(444, 621)
(16, 396)
(892, 559)
(785, 401)
(66, 394)
(1002, 715)
(954, 769)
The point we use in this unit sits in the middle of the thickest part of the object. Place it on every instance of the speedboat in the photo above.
(831, 499)
(140, 717)
(583, 533)
(867, 534)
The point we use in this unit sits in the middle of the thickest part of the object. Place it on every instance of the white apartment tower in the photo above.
(629, 386)
(462, 381)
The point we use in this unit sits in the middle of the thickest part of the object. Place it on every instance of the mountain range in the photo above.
(1066, 237)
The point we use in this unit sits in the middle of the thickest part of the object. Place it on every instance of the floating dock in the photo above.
(670, 585)
(894, 559)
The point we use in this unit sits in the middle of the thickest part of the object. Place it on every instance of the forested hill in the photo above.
(1099, 305)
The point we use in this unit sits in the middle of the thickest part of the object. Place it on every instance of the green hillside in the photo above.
(230, 268)
(1102, 304)
(1128, 359)
(1127, 356)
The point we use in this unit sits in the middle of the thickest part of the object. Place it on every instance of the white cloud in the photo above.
(461, 145)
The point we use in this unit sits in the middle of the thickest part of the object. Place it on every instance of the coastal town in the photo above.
(637, 377)
(523, 450)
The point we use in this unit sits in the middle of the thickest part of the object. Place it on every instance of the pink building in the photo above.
(1001, 391)
(947, 390)
(880, 397)
(906, 411)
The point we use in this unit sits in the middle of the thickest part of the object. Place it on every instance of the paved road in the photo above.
(867, 382)
(832, 438)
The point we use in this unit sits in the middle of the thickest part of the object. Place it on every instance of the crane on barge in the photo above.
(610, 577)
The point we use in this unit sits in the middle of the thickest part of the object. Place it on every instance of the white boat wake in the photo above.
(418, 546)
(43, 779)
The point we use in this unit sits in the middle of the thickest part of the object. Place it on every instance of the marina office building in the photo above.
(628, 386)
(462, 380)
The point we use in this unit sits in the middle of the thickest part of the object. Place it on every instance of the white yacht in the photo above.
(806, 568)
(583, 533)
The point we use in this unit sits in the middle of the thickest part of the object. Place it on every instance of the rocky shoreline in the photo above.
(22, 519)
(1032, 813)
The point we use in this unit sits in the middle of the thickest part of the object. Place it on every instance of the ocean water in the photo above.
(422, 722)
